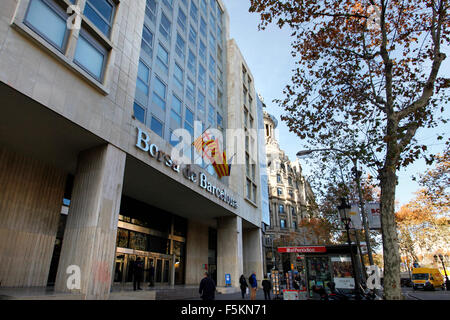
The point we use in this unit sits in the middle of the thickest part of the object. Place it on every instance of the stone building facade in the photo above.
(291, 199)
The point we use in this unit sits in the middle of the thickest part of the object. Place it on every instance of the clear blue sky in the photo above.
(268, 55)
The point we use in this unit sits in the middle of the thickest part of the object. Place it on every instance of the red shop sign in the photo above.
(315, 249)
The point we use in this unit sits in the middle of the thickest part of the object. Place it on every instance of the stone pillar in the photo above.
(31, 194)
(91, 229)
(196, 251)
(253, 253)
(229, 250)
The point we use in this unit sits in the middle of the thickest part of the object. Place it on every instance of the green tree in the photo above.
(367, 71)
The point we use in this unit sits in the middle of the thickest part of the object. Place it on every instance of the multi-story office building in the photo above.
(93, 94)
(291, 198)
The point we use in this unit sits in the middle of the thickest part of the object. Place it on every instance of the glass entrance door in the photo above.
(162, 271)
(119, 267)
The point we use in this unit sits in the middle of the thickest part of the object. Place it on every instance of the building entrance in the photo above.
(161, 263)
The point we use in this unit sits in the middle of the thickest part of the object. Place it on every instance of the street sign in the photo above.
(310, 249)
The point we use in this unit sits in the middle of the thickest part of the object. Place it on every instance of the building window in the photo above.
(143, 78)
(150, 10)
(219, 120)
(294, 225)
(245, 118)
(219, 34)
(147, 41)
(203, 27)
(192, 62)
(90, 55)
(162, 59)
(202, 76)
(249, 189)
(189, 121)
(164, 26)
(219, 15)
(201, 104)
(204, 7)
(139, 112)
(211, 118)
(100, 13)
(212, 89)
(212, 65)
(291, 193)
(182, 19)
(212, 19)
(169, 4)
(178, 76)
(212, 43)
(180, 47)
(159, 94)
(254, 193)
(290, 181)
(202, 51)
(247, 164)
(193, 36)
(190, 90)
(194, 12)
(281, 208)
(176, 110)
(282, 223)
(49, 21)
(278, 178)
(293, 211)
(279, 191)
(157, 126)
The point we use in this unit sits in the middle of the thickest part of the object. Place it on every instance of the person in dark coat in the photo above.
(207, 288)
(267, 286)
(244, 285)
(253, 286)
(138, 269)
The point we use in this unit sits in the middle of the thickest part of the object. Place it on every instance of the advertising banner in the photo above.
(356, 217)
(373, 215)
(342, 272)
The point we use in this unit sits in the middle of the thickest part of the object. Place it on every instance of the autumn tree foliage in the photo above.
(319, 230)
(424, 222)
(368, 71)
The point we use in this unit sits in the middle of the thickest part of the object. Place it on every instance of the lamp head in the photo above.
(344, 209)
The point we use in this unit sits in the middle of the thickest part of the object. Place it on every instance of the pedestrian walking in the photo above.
(267, 286)
(244, 285)
(207, 288)
(253, 286)
(138, 269)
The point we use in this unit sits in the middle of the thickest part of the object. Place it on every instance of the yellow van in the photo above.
(427, 279)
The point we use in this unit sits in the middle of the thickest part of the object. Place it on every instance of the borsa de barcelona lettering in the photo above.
(143, 143)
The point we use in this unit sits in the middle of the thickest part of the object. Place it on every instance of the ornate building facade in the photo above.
(291, 200)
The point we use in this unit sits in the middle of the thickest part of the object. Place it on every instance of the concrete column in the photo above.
(31, 194)
(196, 251)
(91, 229)
(253, 253)
(229, 250)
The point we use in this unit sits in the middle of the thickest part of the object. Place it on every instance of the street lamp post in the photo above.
(344, 210)
(447, 281)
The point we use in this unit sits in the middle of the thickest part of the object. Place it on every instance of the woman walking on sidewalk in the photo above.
(244, 285)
